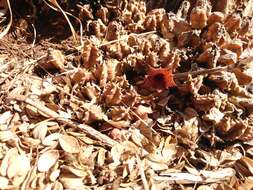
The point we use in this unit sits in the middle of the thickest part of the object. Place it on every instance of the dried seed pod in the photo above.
(18, 165)
(190, 38)
(210, 56)
(181, 26)
(127, 17)
(112, 32)
(81, 75)
(54, 61)
(103, 13)
(119, 50)
(214, 115)
(40, 131)
(227, 57)
(167, 26)
(246, 27)
(71, 182)
(102, 74)
(191, 85)
(206, 102)
(93, 113)
(154, 19)
(112, 94)
(98, 28)
(215, 17)
(150, 23)
(217, 33)
(85, 12)
(198, 18)
(152, 60)
(90, 56)
(170, 59)
(4, 182)
(112, 68)
(234, 129)
(146, 47)
(235, 46)
(57, 186)
(118, 113)
(244, 78)
(233, 23)
(248, 10)
(143, 111)
(224, 6)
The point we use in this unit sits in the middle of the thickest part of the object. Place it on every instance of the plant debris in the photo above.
(126, 94)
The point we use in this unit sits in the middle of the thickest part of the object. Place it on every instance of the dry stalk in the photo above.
(212, 70)
(126, 37)
(52, 114)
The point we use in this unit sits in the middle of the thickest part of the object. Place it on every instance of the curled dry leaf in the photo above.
(55, 60)
(47, 160)
(69, 144)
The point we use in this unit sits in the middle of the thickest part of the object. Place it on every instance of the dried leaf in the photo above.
(69, 144)
(18, 165)
(47, 160)
(4, 182)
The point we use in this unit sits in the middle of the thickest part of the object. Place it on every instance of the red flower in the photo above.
(159, 79)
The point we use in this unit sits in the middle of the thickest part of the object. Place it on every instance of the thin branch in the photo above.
(52, 114)
(126, 37)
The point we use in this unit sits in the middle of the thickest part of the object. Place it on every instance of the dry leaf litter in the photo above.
(111, 115)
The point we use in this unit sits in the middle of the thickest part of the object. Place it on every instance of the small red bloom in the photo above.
(159, 79)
